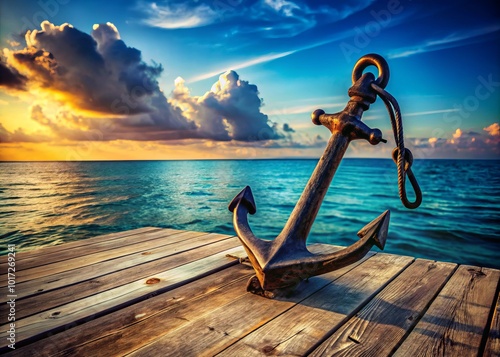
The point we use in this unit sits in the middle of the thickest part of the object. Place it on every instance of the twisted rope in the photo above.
(401, 156)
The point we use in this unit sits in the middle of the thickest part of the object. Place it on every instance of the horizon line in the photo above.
(245, 159)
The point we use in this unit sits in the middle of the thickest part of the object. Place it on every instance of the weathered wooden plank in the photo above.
(185, 240)
(492, 348)
(39, 251)
(223, 325)
(52, 299)
(454, 323)
(111, 338)
(96, 247)
(382, 324)
(70, 264)
(301, 328)
(66, 278)
(121, 331)
(51, 321)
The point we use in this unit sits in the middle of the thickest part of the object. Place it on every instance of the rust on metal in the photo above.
(283, 263)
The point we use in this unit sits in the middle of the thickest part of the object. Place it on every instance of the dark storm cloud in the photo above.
(116, 94)
(11, 78)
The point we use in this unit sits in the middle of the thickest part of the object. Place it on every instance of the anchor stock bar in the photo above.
(285, 261)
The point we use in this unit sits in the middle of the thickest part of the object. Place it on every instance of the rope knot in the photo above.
(407, 157)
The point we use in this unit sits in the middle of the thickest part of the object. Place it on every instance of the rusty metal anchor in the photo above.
(285, 261)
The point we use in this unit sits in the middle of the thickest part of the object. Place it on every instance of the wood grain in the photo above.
(54, 320)
(78, 243)
(65, 278)
(52, 299)
(299, 329)
(222, 325)
(382, 324)
(186, 297)
(456, 320)
(96, 247)
(122, 331)
(493, 343)
(89, 259)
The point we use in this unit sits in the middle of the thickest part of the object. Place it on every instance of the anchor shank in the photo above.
(344, 126)
(300, 221)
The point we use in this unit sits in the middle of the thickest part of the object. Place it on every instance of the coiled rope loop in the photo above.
(401, 155)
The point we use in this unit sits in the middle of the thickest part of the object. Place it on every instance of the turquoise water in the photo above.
(49, 203)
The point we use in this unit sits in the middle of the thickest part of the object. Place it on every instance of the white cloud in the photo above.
(266, 58)
(269, 18)
(430, 112)
(282, 6)
(237, 66)
(449, 41)
(180, 15)
(231, 110)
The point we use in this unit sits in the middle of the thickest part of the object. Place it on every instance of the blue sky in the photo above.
(295, 56)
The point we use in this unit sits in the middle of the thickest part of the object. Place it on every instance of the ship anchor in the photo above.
(281, 264)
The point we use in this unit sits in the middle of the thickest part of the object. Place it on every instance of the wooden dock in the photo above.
(165, 292)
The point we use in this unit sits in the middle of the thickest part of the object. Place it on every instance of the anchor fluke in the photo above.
(377, 229)
(245, 197)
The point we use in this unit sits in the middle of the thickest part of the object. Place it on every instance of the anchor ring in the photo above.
(375, 60)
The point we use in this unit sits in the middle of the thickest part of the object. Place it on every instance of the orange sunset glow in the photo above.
(76, 88)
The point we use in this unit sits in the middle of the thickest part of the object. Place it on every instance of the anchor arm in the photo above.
(374, 233)
(288, 272)
(257, 249)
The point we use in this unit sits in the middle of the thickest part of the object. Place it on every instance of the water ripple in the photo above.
(51, 203)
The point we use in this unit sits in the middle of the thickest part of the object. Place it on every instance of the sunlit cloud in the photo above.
(20, 136)
(94, 73)
(450, 41)
(457, 134)
(493, 129)
(231, 110)
(106, 92)
(462, 143)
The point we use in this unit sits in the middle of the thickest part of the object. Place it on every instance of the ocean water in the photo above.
(47, 203)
